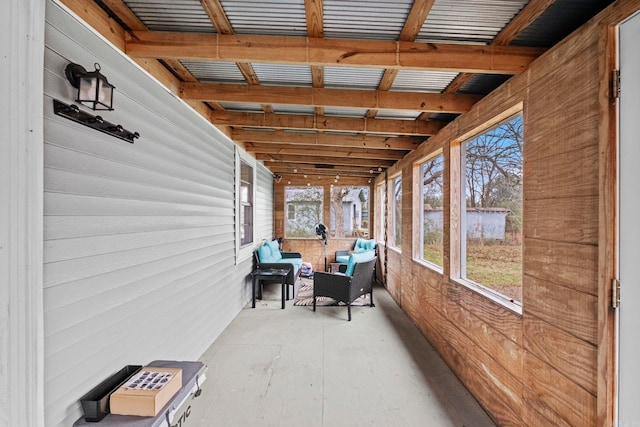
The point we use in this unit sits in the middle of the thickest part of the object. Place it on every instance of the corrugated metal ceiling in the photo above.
(282, 74)
(345, 112)
(365, 19)
(219, 71)
(355, 78)
(272, 17)
(292, 109)
(242, 106)
(422, 81)
(477, 21)
(398, 114)
(171, 15)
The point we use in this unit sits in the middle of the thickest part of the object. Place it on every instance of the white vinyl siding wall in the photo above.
(139, 256)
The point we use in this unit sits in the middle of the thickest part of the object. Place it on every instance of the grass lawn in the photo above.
(495, 266)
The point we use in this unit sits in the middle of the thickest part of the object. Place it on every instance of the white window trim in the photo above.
(458, 251)
(418, 220)
(244, 252)
(392, 223)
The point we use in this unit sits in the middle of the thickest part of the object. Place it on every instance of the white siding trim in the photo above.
(21, 297)
(244, 253)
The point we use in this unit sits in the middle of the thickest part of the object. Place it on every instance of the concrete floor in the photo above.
(294, 367)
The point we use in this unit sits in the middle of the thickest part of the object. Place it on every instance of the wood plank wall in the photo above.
(139, 242)
(549, 365)
(541, 367)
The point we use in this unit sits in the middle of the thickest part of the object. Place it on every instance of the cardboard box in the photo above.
(146, 393)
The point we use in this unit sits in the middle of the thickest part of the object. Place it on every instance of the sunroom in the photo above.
(486, 146)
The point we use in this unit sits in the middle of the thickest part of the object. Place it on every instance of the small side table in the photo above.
(272, 274)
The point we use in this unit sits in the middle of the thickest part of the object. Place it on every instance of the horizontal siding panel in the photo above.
(124, 281)
(551, 393)
(180, 178)
(182, 137)
(68, 249)
(161, 117)
(116, 312)
(574, 358)
(71, 204)
(573, 312)
(82, 267)
(569, 220)
(571, 265)
(566, 175)
(77, 183)
(147, 156)
(73, 227)
(151, 322)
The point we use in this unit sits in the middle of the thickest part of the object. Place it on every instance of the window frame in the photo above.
(418, 206)
(354, 212)
(244, 250)
(381, 203)
(457, 208)
(392, 226)
(321, 202)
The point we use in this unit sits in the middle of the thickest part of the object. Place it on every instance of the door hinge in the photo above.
(615, 84)
(615, 293)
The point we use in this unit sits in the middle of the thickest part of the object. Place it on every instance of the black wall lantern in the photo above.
(94, 90)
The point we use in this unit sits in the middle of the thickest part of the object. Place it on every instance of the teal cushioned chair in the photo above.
(345, 287)
(360, 246)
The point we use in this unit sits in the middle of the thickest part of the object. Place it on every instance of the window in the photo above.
(304, 211)
(395, 229)
(246, 204)
(352, 205)
(491, 217)
(245, 208)
(382, 203)
(431, 210)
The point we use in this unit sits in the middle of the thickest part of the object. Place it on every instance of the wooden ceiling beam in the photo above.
(312, 180)
(303, 150)
(415, 20)
(323, 97)
(293, 167)
(327, 123)
(286, 169)
(126, 15)
(314, 12)
(217, 16)
(309, 159)
(326, 140)
(332, 52)
(521, 21)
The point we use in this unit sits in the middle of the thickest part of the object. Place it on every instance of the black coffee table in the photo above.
(270, 274)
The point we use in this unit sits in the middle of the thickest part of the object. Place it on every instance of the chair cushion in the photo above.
(266, 252)
(275, 250)
(360, 245)
(296, 262)
(342, 259)
(370, 245)
(356, 258)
